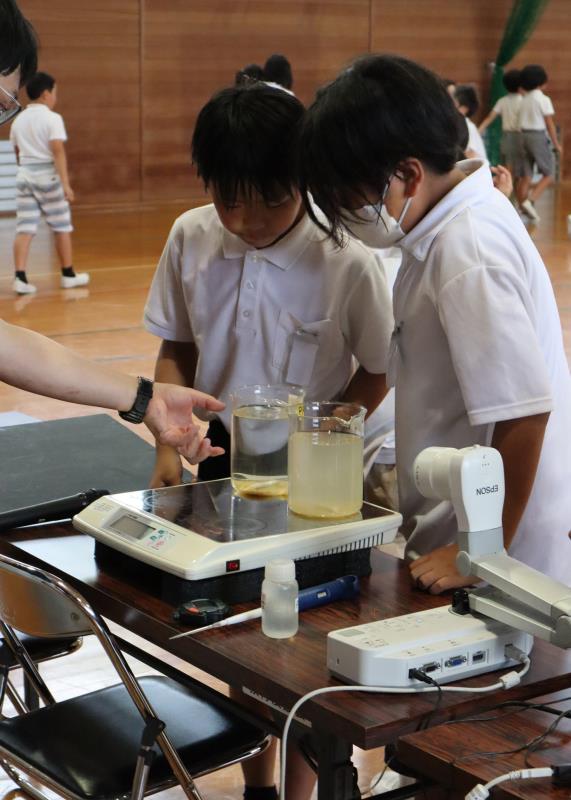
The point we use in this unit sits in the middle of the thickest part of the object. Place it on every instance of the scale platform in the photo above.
(206, 540)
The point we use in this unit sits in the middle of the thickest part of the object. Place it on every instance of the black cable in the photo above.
(420, 675)
(522, 705)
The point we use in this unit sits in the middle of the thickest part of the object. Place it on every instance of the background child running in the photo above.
(38, 135)
(477, 353)
(508, 108)
(536, 117)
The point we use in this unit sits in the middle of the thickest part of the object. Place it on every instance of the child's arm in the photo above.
(176, 364)
(366, 389)
(60, 161)
(17, 154)
(519, 442)
(551, 129)
(488, 121)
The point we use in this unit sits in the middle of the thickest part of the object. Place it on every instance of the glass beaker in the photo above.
(259, 438)
(326, 459)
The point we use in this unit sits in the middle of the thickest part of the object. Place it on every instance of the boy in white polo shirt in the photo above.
(477, 353)
(38, 135)
(536, 119)
(248, 290)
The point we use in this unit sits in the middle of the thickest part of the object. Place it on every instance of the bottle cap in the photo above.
(280, 569)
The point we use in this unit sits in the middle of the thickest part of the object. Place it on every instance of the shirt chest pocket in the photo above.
(296, 346)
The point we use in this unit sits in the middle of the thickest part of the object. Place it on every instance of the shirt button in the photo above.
(246, 313)
(250, 285)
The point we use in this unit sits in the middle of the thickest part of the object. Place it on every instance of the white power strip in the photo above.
(445, 645)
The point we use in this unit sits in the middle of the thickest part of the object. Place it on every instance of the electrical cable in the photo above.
(507, 681)
(482, 792)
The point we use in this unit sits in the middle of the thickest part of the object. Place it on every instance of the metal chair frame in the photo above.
(68, 613)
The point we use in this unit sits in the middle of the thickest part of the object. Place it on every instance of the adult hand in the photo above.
(169, 418)
(436, 572)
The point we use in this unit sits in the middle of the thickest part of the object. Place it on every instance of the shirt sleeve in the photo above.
(547, 106)
(497, 109)
(367, 316)
(488, 316)
(166, 313)
(57, 128)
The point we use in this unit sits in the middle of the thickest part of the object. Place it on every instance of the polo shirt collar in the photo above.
(475, 187)
(282, 254)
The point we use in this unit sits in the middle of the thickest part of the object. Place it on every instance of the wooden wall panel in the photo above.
(193, 49)
(92, 49)
(460, 40)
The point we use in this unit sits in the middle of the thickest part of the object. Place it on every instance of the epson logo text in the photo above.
(488, 489)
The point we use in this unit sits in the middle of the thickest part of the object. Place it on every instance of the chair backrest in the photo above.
(38, 603)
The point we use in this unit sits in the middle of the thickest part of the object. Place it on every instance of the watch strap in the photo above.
(137, 412)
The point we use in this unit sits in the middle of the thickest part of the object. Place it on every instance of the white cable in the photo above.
(481, 792)
(505, 682)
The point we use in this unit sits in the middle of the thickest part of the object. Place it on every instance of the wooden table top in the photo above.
(440, 753)
(282, 670)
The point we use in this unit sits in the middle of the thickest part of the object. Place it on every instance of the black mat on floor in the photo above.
(47, 460)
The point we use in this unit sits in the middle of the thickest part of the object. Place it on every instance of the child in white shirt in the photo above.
(508, 108)
(466, 99)
(536, 119)
(477, 354)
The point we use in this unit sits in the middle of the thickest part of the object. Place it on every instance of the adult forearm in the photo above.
(37, 364)
(519, 441)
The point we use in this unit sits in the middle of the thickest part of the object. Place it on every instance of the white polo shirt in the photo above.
(535, 106)
(508, 108)
(478, 340)
(475, 141)
(33, 130)
(299, 311)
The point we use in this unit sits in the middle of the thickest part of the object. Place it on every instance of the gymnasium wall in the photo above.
(133, 74)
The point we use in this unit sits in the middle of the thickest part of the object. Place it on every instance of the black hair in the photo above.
(512, 80)
(245, 140)
(38, 84)
(277, 69)
(467, 96)
(19, 43)
(362, 126)
(250, 73)
(532, 76)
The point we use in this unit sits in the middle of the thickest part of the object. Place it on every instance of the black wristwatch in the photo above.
(138, 410)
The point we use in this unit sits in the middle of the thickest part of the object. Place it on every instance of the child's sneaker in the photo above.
(80, 279)
(529, 209)
(21, 287)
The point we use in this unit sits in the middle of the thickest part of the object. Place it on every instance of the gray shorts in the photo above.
(39, 191)
(511, 151)
(537, 150)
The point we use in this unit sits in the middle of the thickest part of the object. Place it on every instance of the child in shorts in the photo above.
(38, 135)
(508, 108)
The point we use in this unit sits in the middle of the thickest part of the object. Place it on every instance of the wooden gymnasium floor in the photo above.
(103, 321)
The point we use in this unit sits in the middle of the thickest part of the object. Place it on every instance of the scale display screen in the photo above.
(214, 510)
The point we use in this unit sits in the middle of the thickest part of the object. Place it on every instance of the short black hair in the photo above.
(380, 111)
(532, 76)
(245, 140)
(512, 80)
(277, 69)
(467, 96)
(38, 84)
(19, 46)
(251, 72)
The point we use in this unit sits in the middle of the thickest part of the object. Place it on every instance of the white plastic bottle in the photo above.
(279, 599)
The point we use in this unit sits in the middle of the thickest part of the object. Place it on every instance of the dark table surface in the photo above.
(445, 753)
(281, 671)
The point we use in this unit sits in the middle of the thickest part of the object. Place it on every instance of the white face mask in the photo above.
(375, 227)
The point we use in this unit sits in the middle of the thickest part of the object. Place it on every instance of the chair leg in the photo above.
(23, 782)
(15, 698)
(31, 698)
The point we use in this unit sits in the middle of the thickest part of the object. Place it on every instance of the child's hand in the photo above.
(168, 469)
(503, 180)
(436, 572)
(68, 192)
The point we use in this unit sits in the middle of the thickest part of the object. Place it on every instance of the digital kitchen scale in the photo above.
(202, 532)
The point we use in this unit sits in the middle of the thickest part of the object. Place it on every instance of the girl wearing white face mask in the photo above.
(477, 354)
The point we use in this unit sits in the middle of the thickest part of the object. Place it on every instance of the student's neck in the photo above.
(297, 220)
(433, 189)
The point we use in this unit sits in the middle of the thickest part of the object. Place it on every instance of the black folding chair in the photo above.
(135, 738)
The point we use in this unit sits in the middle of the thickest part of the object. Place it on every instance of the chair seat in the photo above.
(39, 648)
(109, 728)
